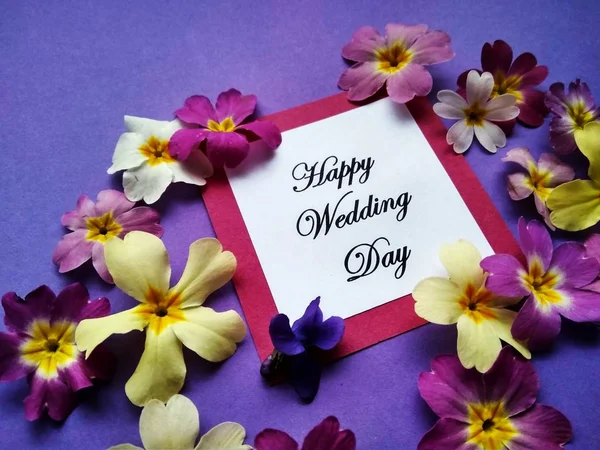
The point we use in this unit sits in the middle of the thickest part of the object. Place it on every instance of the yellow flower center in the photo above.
(580, 115)
(160, 311)
(226, 125)
(475, 303)
(542, 284)
(156, 151)
(490, 428)
(474, 115)
(538, 179)
(392, 59)
(507, 85)
(102, 228)
(51, 347)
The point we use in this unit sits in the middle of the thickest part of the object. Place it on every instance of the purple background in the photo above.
(70, 70)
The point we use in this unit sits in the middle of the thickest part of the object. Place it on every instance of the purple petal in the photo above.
(532, 109)
(184, 141)
(198, 110)
(312, 319)
(72, 251)
(409, 81)
(536, 243)
(496, 57)
(449, 387)
(431, 48)
(305, 376)
(141, 218)
(446, 434)
(576, 269)
(40, 302)
(536, 327)
(99, 263)
(364, 45)
(406, 35)
(11, 368)
(264, 130)
(226, 148)
(70, 302)
(594, 287)
(579, 92)
(94, 309)
(518, 186)
(562, 138)
(505, 275)
(283, 337)
(327, 436)
(520, 156)
(75, 376)
(53, 395)
(329, 334)
(592, 246)
(270, 439)
(100, 364)
(541, 427)
(17, 314)
(75, 220)
(555, 99)
(233, 104)
(362, 80)
(112, 200)
(584, 305)
(560, 172)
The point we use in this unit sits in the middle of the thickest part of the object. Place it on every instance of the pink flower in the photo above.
(223, 128)
(540, 179)
(93, 224)
(40, 344)
(517, 78)
(398, 58)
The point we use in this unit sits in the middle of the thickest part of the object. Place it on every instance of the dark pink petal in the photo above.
(75, 220)
(70, 302)
(327, 436)
(541, 427)
(11, 368)
(449, 387)
(411, 80)
(94, 309)
(522, 64)
(432, 48)
(283, 338)
(536, 242)
(112, 200)
(364, 45)
(570, 260)
(226, 148)
(536, 327)
(141, 218)
(446, 434)
(560, 172)
(53, 395)
(534, 77)
(99, 263)
(518, 186)
(504, 278)
(305, 376)
(270, 439)
(532, 109)
(555, 99)
(562, 139)
(496, 57)
(233, 104)
(594, 287)
(198, 110)
(184, 141)
(40, 302)
(513, 380)
(265, 130)
(346, 440)
(72, 251)
(406, 35)
(100, 364)
(584, 305)
(75, 376)
(17, 313)
(362, 80)
(592, 246)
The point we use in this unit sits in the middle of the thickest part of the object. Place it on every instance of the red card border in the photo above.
(374, 325)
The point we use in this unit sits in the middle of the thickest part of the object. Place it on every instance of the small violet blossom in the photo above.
(476, 114)
(572, 111)
(94, 224)
(398, 59)
(592, 248)
(518, 78)
(551, 281)
(539, 179)
(325, 436)
(496, 410)
(293, 345)
(40, 344)
(224, 128)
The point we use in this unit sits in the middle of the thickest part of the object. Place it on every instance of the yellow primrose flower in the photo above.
(139, 265)
(481, 317)
(576, 205)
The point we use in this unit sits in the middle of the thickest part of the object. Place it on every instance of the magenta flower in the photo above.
(325, 436)
(518, 78)
(592, 248)
(496, 410)
(572, 111)
(94, 224)
(551, 281)
(398, 58)
(40, 344)
(223, 128)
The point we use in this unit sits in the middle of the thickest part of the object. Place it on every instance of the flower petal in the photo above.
(504, 278)
(562, 138)
(11, 368)
(588, 141)
(147, 182)
(501, 324)
(265, 130)
(99, 262)
(70, 302)
(53, 395)
(233, 104)
(283, 338)
(432, 47)
(478, 344)
(194, 170)
(461, 260)
(226, 148)
(519, 186)
(592, 246)
(75, 376)
(125, 447)
(559, 171)
(305, 376)
(138, 264)
(533, 77)
(479, 87)
(447, 434)
(499, 103)
(312, 317)
(270, 439)
(437, 300)
(541, 427)
(363, 46)
(185, 141)
(225, 436)
(451, 98)
(362, 80)
(406, 35)
(522, 64)
(447, 111)
(536, 242)
(174, 426)
(141, 218)
(583, 305)
(161, 371)
(94, 309)
(72, 251)
(535, 326)
(212, 335)
(411, 80)
(127, 153)
(490, 136)
(329, 333)
(570, 260)
(575, 205)
(17, 313)
(142, 126)
(101, 364)
(113, 201)
(198, 110)
(496, 57)
(76, 219)
(327, 436)
(461, 135)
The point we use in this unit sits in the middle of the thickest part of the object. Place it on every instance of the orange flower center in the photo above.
(490, 428)
(226, 125)
(392, 59)
(538, 180)
(51, 347)
(542, 284)
(580, 115)
(475, 303)
(474, 115)
(102, 228)
(160, 311)
(507, 85)
(156, 151)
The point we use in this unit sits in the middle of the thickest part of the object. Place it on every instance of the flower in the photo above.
(40, 344)
(398, 58)
(475, 113)
(517, 78)
(481, 317)
(295, 342)
(540, 179)
(572, 111)
(139, 265)
(94, 224)
(176, 426)
(223, 128)
(575, 204)
(592, 248)
(551, 281)
(325, 436)
(492, 411)
(143, 153)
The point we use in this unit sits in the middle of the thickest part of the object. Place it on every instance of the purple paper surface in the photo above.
(70, 70)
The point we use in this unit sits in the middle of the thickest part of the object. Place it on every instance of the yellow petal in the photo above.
(211, 335)
(92, 332)
(588, 141)
(208, 268)
(502, 325)
(161, 370)
(225, 436)
(478, 344)
(437, 300)
(575, 205)
(137, 263)
(174, 426)
(461, 260)
(125, 447)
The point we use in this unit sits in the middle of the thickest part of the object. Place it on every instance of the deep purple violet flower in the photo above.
(295, 342)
